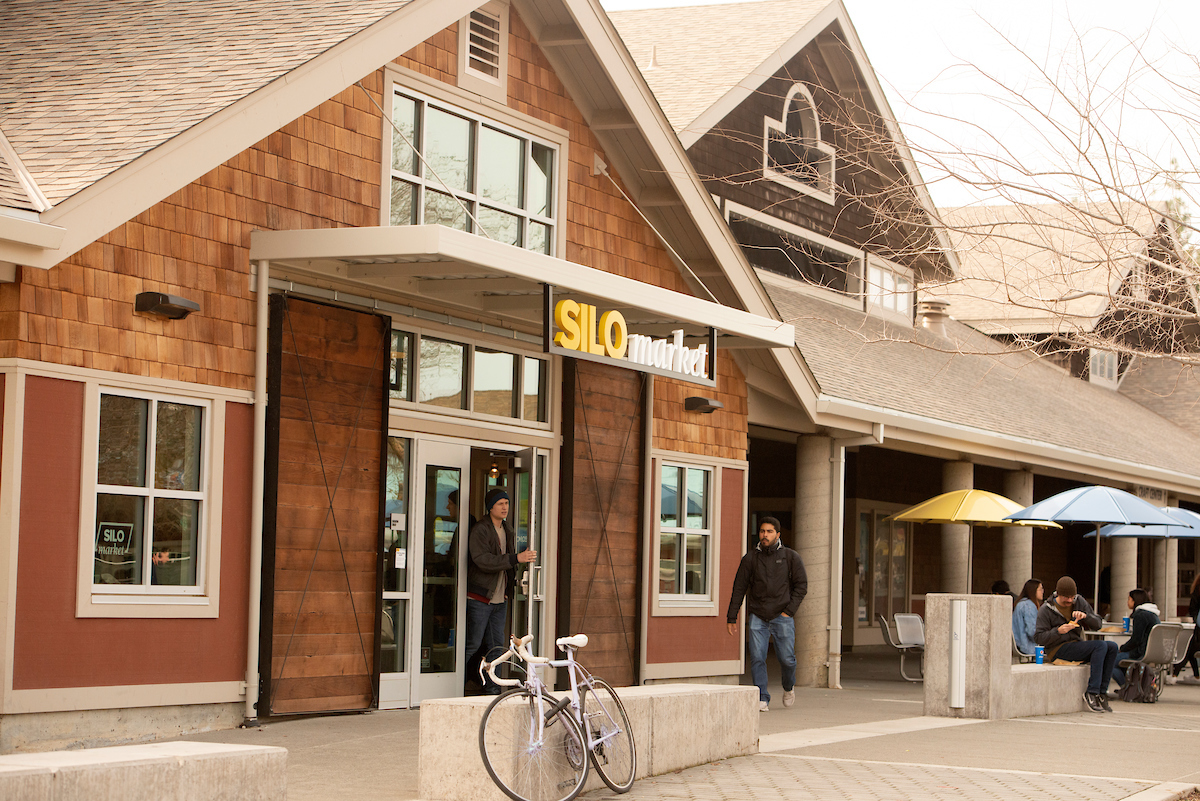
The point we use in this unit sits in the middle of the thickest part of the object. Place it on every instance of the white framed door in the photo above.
(441, 482)
(529, 516)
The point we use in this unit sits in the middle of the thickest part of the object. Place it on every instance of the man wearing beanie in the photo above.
(492, 559)
(1059, 627)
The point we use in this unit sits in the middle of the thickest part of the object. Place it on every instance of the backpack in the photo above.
(1140, 684)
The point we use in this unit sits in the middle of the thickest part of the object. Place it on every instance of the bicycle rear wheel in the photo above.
(604, 715)
(528, 759)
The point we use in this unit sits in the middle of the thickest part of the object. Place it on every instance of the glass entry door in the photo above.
(528, 519)
(441, 478)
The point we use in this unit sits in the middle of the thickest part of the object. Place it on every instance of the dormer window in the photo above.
(793, 153)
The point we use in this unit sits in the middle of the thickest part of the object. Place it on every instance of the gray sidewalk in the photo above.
(867, 741)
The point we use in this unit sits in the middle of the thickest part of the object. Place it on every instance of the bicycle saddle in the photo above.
(577, 641)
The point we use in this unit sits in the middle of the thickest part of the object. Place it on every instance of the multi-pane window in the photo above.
(451, 168)
(150, 492)
(882, 566)
(684, 531)
(435, 371)
(889, 290)
(1102, 368)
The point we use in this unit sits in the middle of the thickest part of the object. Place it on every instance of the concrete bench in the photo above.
(995, 688)
(674, 726)
(178, 771)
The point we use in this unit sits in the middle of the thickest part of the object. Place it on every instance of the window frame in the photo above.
(470, 344)
(148, 600)
(826, 185)
(423, 182)
(1112, 363)
(871, 302)
(684, 605)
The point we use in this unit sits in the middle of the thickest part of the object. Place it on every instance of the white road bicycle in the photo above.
(536, 747)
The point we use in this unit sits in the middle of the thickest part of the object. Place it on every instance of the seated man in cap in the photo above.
(1059, 630)
(492, 559)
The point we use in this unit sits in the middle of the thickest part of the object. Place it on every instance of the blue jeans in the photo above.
(1102, 656)
(783, 631)
(485, 626)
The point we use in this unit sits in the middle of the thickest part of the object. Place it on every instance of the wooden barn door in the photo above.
(601, 515)
(323, 508)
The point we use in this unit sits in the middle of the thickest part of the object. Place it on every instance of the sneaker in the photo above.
(1104, 699)
(1190, 680)
(1172, 679)
(789, 698)
(764, 706)
(1093, 703)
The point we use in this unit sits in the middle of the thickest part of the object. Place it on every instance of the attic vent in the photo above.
(484, 43)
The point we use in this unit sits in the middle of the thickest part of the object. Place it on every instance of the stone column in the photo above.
(1018, 540)
(813, 525)
(1166, 576)
(1124, 573)
(956, 538)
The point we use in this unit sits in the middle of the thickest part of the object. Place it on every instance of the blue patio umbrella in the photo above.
(1097, 506)
(1187, 525)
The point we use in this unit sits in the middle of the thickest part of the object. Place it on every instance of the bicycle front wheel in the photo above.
(609, 730)
(528, 757)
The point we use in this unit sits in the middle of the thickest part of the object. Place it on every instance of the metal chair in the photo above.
(1022, 657)
(1182, 642)
(904, 645)
(1160, 653)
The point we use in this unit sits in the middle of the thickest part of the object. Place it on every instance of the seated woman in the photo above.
(1143, 618)
(1024, 616)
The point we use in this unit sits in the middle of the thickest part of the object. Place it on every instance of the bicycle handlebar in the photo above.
(515, 646)
(523, 652)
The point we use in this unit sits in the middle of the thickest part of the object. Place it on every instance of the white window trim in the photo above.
(853, 301)
(684, 598)
(472, 343)
(679, 605)
(1104, 381)
(482, 109)
(150, 601)
(472, 80)
(779, 126)
(897, 271)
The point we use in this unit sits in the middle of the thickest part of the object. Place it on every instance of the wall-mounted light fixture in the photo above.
(161, 304)
(702, 405)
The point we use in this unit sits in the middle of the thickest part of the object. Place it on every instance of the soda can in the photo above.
(1125, 624)
(1039, 654)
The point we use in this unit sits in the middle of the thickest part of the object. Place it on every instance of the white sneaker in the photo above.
(789, 698)
(764, 706)
(1172, 679)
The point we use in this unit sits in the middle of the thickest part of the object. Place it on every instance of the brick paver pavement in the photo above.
(778, 777)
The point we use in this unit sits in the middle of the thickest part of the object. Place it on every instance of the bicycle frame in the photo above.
(579, 676)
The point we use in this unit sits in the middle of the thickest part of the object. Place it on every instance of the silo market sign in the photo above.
(582, 331)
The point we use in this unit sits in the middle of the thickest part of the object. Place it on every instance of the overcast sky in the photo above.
(929, 55)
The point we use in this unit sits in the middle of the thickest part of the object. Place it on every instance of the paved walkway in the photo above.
(867, 741)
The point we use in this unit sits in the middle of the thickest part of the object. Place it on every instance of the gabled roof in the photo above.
(87, 87)
(1034, 269)
(970, 382)
(694, 56)
(1168, 387)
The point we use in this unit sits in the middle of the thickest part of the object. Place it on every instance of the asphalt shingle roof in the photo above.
(970, 380)
(86, 87)
(702, 52)
(1017, 263)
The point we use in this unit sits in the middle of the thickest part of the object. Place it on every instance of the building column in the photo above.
(1017, 564)
(1166, 577)
(1124, 574)
(813, 527)
(956, 538)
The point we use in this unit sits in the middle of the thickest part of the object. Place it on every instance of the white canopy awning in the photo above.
(472, 272)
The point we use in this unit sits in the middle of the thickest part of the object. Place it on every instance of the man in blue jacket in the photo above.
(774, 579)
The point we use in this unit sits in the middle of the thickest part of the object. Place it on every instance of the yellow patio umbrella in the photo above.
(972, 507)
